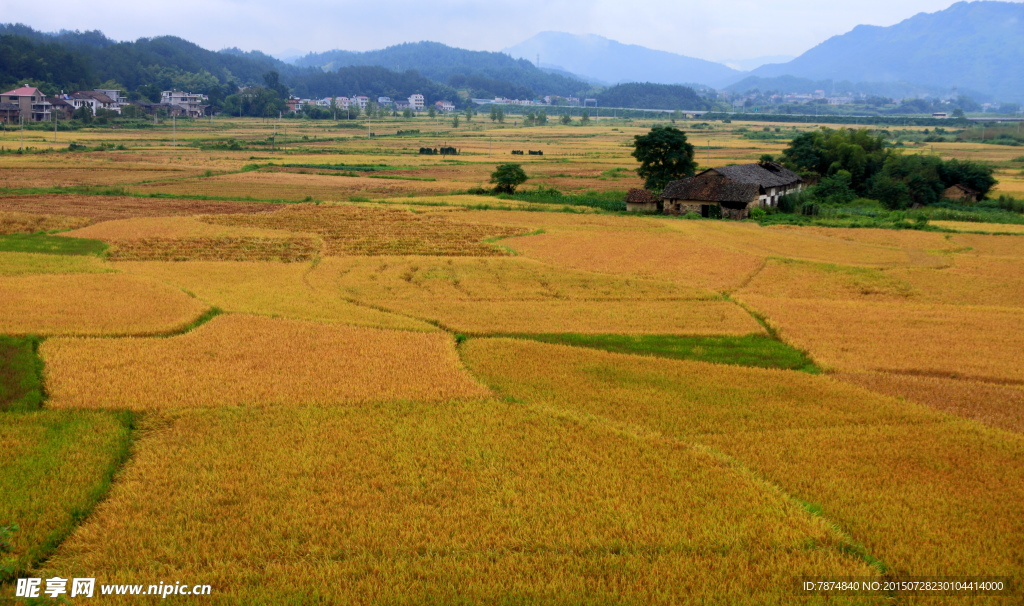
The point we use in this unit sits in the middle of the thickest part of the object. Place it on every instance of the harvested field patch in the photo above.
(54, 467)
(297, 187)
(238, 360)
(189, 239)
(84, 304)
(28, 223)
(675, 397)
(21, 264)
(286, 250)
(443, 503)
(88, 174)
(356, 230)
(1000, 406)
(288, 290)
(643, 254)
(935, 340)
(104, 208)
(906, 239)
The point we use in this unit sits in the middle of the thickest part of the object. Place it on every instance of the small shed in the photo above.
(642, 201)
(961, 193)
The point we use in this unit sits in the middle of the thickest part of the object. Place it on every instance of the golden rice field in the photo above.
(302, 372)
(452, 502)
(92, 304)
(241, 360)
(286, 290)
(914, 487)
(20, 264)
(357, 230)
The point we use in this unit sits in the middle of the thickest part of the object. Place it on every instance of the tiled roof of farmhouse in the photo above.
(711, 188)
(640, 196)
(771, 174)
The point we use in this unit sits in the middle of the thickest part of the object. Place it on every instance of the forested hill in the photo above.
(652, 96)
(448, 65)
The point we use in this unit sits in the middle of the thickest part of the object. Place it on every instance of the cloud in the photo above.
(725, 29)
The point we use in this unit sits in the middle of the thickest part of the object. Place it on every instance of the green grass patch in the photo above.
(21, 374)
(52, 245)
(605, 200)
(55, 466)
(749, 350)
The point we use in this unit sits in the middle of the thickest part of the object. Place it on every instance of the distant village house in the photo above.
(732, 191)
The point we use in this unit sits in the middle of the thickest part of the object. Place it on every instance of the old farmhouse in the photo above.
(731, 190)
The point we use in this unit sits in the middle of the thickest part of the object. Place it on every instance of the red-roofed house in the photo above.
(31, 102)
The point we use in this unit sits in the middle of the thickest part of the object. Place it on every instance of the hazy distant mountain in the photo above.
(745, 65)
(442, 63)
(602, 59)
(976, 45)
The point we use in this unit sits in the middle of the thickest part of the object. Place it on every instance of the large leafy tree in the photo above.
(664, 155)
(507, 178)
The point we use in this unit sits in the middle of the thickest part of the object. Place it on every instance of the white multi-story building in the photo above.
(192, 105)
(444, 106)
(416, 102)
(361, 101)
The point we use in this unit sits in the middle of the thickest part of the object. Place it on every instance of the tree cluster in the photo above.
(858, 164)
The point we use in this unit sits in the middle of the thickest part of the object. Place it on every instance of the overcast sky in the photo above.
(718, 30)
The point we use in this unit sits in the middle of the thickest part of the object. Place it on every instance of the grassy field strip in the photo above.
(889, 473)
(55, 466)
(21, 374)
(253, 361)
(81, 304)
(749, 350)
(476, 502)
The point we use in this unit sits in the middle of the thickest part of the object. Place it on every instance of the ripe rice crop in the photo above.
(911, 485)
(238, 360)
(997, 228)
(999, 406)
(356, 230)
(934, 499)
(796, 244)
(971, 280)
(27, 223)
(273, 289)
(675, 396)
(20, 264)
(652, 254)
(54, 466)
(103, 208)
(983, 244)
(805, 280)
(92, 304)
(936, 340)
(906, 239)
(587, 317)
(443, 503)
(486, 279)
